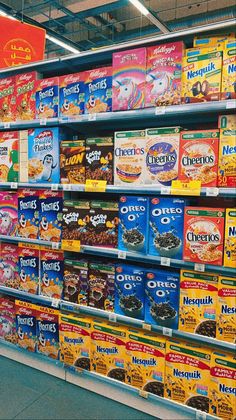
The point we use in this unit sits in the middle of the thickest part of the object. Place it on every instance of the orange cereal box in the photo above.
(7, 99)
(227, 159)
(226, 313)
(204, 235)
(25, 95)
(229, 71)
(230, 238)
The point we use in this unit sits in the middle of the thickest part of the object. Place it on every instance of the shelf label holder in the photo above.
(93, 185)
(165, 261)
(121, 254)
(199, 267)
(70, 245)
(186, 188)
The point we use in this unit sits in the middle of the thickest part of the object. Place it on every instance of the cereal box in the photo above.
(225, 310)
(75, 221)
(29, 268)
(8, 213)
(23, 156)
(229, 71)
(98, 90)
(162, 298)
(9, 155)
(28, 213)
(198, 299)
(188, 374)
(99, 159)
(201, 78)
(145, 361)
(133, 226)
(75, 285)
(7, 319)
(227, 159)
(129, 79)
(204, 235)
(72, 162)
(164, 68)
(71, 95)
(47, 331)
(108, 351)
(43, 155)
(50, 215)
(129, 291)
(101, 278)
(104, 221)
(191, 52)
(26, 325)
(9, 273)
(75, 340)
(211, 40)
(227, 121)
(162, 155)
(166, 220)
(25, 95)
(7, 99)
(230, 238)
(130, 157)
(51, 269)
(223, 385)
(46, 96)
(199, 156)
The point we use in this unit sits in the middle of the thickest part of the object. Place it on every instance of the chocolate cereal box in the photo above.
(28, 213)
(26, 325)
(71, 95)
(46, 96)
(9, 269)
(50, 215)
(103, 223)
(51, 270)
(99, 159)
(7, 319)
(8, 213)
(101, 278)
(98, 90)
(227, 159)
(72, 162)
(75, 285)
(230, 238)
(47, 331)
(29, 268)
(9, 156)
(229, 71)
(226, 315)
(7, 99)
(25, 95)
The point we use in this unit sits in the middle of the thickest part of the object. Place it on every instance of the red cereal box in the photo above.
(7, 99)
(204, 235)
(25, 95)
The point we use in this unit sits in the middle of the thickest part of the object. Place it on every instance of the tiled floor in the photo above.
(26, 393)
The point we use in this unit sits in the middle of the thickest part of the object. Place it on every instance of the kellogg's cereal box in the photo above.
(230, 238)
(47, 331)
(8, 213)
(7, 99)
(101, 278)
(71, 95)
(226, 313)
(28, 213)
(129, 79)
(50, 215)
(75, 221)
(25, 95)
(75, 285)
(227, 159)
(98, 90)
(26, 325)
(46, 95)
(204, 235)
(9, 156)
(99, 159)
(7, 319)
(72, 162)
(51, 269)
(229, 71)
(104, 221)
(9, 272)
(29, 268)
(227, 121)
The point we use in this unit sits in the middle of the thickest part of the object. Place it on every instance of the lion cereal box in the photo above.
(26, 325)
(51, 269)
(201, 78)
(9, 156)
(46, 96)
(227, 159)
(98, 90)
(50, 215)
(198, 299)
(99, 159)
(75, 221)
(47, 331)
(229, 71)
(164, 68)
(230, 238)
(28, 213)
(75, 285)
(7, 319)
(72, 162)
(212, 40)
(29, 268)
(204, 235)
(8, 213)
(7, 99)
(226, 312)
(25, 96)
(9, 272)
(227, 121)
(104, 220)
(71, 95)
(101, 278)
(188, 374)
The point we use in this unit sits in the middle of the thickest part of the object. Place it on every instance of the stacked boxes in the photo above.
(25, 96)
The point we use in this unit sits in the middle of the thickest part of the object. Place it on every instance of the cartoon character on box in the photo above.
(28, 213)
(7, 319)
(98, 90)
(26, 325)
(50, 215)
(29, 268)
(47, 92)
(9, 275)
(52, 268)
(71, 95)
(9, 168)
(25, 95)
(8, 213)
(7, 99)
(47, 331)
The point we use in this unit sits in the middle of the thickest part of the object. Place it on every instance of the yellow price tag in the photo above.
(186, 188)
(70, 245)
(92, 185)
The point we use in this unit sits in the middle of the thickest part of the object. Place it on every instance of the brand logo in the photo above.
(46, 94)
(29, 262)
(70, 217)
(71, 90)
(225, 309)
(187, 161)
(198, 302)
(227, 389)
(52, 266)
(129, 152)
(93, 156)
(28, 205)
(144, 362)
(229, 150)
(47, 327)
(113, 350)
(188, 375)
(200, 72)
(98, 219)
(50, 206)
(96, 86)
(205, 237)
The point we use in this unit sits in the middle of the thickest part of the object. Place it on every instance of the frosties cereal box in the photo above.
(28, 213)
(51, 269)
(227, 121)
(130, 157)
(145, 361)
(229, 71)
(9, 270)
(25, 96)
(47, 331)
(47, 98)
(26, 325)
(71, 95)
(227, 159)
(204, 235)
(201, 78)
(7, 319)
(188, 374)
(29, 268)
(108, 349)
(50, 215)
(7, 99)
(75, 284)
(98, 90)
(8, 213)
(9, 156)
(230, 238)
(198, 299)
(72, 162)
(75, 343)
(129, 79)
(164, 68)
(198, 159)
(226, 313)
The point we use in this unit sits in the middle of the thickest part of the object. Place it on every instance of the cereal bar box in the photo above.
(98, 90)
(130, 157)
(9, 269)
(223, 385)
(227, 159)
(29, 268)
(198, 159)
(75, 342)
(9, 156)
(101, 279)
(129, 291)
(7, 99)
(108, 349)
(47, 331)
(50, 215)
(47, 98)
(230, 238)
(204, 235)
(25, 96)
(229, 71)
(129, 79)
(71, 95)
(72, 162)
(225, 310)
(75, 221)
(8, 213)
(26, 325)
(99, 159)
(188, 374)
(164, 68)
(162, 298)
(28, 213)
(51, 269)
(227, 121)
(104, 221)
(145, 361)
(198, 300)
(7, 319)
(75, 284)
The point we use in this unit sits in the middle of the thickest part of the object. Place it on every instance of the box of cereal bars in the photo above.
(7, 99)
(26, 325)
(230, 238)
(51, 269)
(47, 331)
(98, 90)
(46, 96)
(9, 156)
(29, 268)
(71, 95)
(225, 309)
(227, 159)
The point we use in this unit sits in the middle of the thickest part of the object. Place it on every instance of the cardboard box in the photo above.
(230, 238)
(26, 325)
(101, 279)
(98, 90)
(226, 316)
(29, 268)
(7, 99)
(9, 156)
(51, 271)
(50, 215)
(103, 224)
(47, 98)
(28, 213)
(72, 162)
(227, 159)
(9, 273)
(229, 71)
(75, 285)
(47, 331)
(71, 95)
(25, 95)
(99, 159)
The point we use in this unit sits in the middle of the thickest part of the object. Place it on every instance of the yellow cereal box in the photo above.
(108, 349)
(230, 238)
(201, 78)
(227, 121)
(145, 361)
(188, 374)
(229, 71)
(227, 159)
(191, 52)
(225, 310)
(211, 40)
(74, 338)
(223, 386)
(198, 298)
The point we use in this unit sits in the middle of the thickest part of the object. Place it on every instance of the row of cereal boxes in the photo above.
(180, 371)
(159, 75)
(193, 302)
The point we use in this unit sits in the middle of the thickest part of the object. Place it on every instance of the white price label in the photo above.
(167, 331)
(55, 303)
(14, 185)
(165, 190)
(54, 187)
(112, 317)
(143, 394)
(66, 187)
(165, 261)
(55, 245)
(160, 110)
(231, 105)
(212, 192)
(199, 267)
(6, 125)
(43, 121)
(92, 117)
(147, 327)
(122, 255)
(200, 415)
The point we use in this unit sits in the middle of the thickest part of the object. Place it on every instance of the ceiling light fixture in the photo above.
(150, 16)
(4, 14)
(62, 44)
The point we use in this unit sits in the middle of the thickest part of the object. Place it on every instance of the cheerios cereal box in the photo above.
(108, 349)
(51, 270)
(227, 121)
(7, 99)
(25, 95)
(9, 156)
(188, 374)
(98, 90)
(28, 213)
(26, 325)
(223, 385)
(204, 235)
(227, 159)
(46, 96)
(226, 312)
(145, 361)
(229, 71)
(71, 95)
(29, 267)
(198, 299)
(50, 215)
(47, 331)
(230, 238)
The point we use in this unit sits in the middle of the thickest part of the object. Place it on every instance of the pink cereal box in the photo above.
(9, 275)
(7, 99)
(129, 79)
(164, 70)
(98, 90)
(8, 213)
(7, 319)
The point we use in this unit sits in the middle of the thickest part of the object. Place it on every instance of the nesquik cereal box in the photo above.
(50, 215)
(164, 69)
(204, 235)
(229, 71)
(7, 319)
(47, 98)
(145, 361)
(9, 269)
(223, 385)
(227, 159)
(47, 331)
(9, 156)
(26, 325)
(25, 95)
(98, 90)
(51, 270)
(226, 313)
(198, 159)
(7, 99)
(129, 79)
(72, 162)
(28, 213)
(230, 238)
(8, 213)
(71, 95)
(212, 40)
(190, 52)
(29, 267)
(227, 121)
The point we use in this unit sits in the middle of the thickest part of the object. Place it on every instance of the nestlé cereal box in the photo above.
(75, 285)
(47, 98)
(25, 96)
(98, 90)
(28, 213)
(26, 325)
(9, 269)
(226, 314)
(29, 268)
(103, 223)
(72, 162)
(8, 213)
(227, 121)
(227, 159)
(99, 159)
(47, 331)
(230, 238)
(75, 221)
(7, 99)
(51, 270)
(101, 279)
(71, 95)
(8, 319)
(9, 156)
(229, 71)
(50, 215)
(212, 40)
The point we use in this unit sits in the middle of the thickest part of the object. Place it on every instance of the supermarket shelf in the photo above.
(53, 245)
(20, 294)
(27, 124)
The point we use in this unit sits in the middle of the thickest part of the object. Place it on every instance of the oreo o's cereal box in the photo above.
(50, 215)
(47, 91)
(98, 90)
(29, 268)
(47, 330)
(75, 285)
(8, 213)
(51, 269)
(71, 95)
(28, 213)
(26, 325)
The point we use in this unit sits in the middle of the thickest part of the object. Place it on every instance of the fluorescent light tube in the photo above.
(62, 44)
(140, 7)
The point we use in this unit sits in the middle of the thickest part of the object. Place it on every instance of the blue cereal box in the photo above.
(51, 269)
(46, 96)
(26, 325)
(98, 90)
(28, 213)
(162, 298)
(29, 268)
(71, 95)
(166, 219)
(43, 155)
(50, 215)
(47, 330)
(129, 291)
(133, 226)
